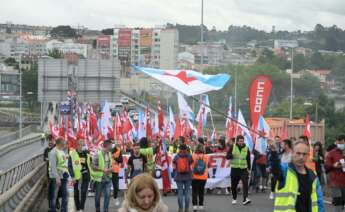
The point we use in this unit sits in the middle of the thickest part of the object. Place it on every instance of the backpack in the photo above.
(199, 167)
(182, 165)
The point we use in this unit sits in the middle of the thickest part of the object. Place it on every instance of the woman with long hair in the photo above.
(143, 196)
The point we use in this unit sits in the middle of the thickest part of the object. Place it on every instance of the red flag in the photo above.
(118, 126)
(200, 127)
(93, 124)
(259, 93)
(231, 128)
(178, 129)
(148, 125)
(160, 117)
(307, 131)
(127, 124)
(208, 135)
(62, 127)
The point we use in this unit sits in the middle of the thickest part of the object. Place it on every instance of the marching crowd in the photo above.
(296, 170)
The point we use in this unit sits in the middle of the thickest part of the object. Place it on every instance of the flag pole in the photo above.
(226, 116)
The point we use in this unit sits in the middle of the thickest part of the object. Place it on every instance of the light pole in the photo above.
(202, 36)
(20, 97)
(316, 109)
(291, 84)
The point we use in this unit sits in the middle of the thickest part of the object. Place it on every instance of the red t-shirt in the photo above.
(336, 175)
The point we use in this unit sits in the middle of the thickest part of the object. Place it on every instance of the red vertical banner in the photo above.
(259, 93)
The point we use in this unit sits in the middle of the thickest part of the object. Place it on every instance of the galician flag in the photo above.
(261, 139)
(185, 110)
(187, 82)
(245, 132)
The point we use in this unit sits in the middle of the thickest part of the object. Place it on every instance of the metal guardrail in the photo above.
(22, 183)
(20, 143)
(15, 135)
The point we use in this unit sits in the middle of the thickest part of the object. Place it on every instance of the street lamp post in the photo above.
(20, 98)
(202, 36)
(291, 84)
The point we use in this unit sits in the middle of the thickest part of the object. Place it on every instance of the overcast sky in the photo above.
(99, 14)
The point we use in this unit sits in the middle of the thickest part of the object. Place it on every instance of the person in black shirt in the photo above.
(81, 182)
(51, 145)
(307, 181)
(136, 163)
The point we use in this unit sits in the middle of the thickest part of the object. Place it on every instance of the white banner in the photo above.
(218, 172)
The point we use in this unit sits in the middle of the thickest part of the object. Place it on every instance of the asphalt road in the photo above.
(19, 155)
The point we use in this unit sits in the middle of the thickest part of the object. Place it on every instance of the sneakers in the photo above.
(195, 208)
(247, 201)
(201, 207)
(234, 202)
(226, 192)
(271, 195)
(117, 202)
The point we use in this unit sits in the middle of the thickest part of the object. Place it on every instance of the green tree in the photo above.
(108, 31)
(63, 31)
(30, 86)
(55, 53)
(299, 62)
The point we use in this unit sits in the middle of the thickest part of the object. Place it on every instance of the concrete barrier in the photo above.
(6, 148)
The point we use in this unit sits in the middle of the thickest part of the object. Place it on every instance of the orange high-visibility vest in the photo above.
(115, 166)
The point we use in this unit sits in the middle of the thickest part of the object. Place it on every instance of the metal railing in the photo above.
(6, 148)
(20, 184)
(15, 135)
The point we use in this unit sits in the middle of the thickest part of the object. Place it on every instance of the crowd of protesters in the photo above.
(292, 172)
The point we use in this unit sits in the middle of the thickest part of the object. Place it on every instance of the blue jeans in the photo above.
(103, 187)
(183, 192)
(53, 194)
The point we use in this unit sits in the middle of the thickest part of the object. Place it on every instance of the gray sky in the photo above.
(99, 14)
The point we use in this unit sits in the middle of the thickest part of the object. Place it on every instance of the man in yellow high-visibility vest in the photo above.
(239, 154)
(79, 171)
(58, 175)
(101, 174)
(298, 188)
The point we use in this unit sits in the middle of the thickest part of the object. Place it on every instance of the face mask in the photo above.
(341, 146)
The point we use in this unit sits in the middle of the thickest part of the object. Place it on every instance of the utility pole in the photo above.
(291, 84)
(202, 36)
(20, 97)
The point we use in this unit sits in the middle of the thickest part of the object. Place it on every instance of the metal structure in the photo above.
(21, 184)
(92, 80)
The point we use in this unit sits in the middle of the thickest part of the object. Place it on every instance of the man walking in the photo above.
(239, 155)
(117, 160)
(102, 170)
(79, 171)
(335, 167)
(298, 188)
(183, 176)
(58, 175)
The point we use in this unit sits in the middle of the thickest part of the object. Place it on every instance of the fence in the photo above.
(21, 184)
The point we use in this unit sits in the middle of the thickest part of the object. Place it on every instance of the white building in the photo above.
(152, 47)
(68, 47)
(285, 44)
(168, 48)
